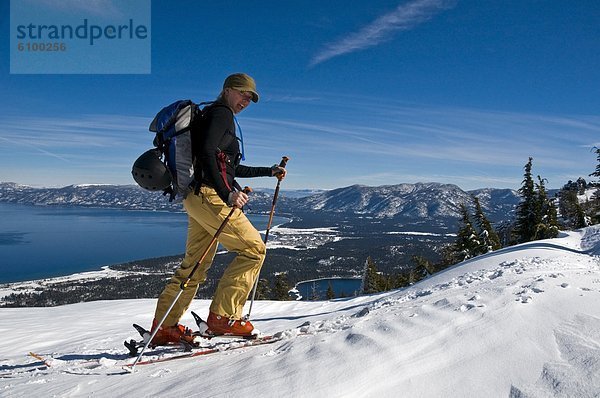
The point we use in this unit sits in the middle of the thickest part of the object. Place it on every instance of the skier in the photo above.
(217, 153)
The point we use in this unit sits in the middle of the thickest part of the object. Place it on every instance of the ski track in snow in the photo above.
(521, 322)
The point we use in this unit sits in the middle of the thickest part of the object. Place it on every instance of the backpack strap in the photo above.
(221, 157)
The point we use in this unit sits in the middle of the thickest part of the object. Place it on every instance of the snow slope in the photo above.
(520, 322)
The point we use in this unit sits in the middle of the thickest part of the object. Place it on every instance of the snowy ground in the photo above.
(520, 322)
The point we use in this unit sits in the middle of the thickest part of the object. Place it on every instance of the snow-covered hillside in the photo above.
(520, 322)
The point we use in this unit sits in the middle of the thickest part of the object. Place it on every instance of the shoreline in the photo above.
(113, 271)
(17, 240)
(105, 272)
(153, 270)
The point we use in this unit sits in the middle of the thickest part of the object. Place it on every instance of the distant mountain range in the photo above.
(402, 201)
(420, 200)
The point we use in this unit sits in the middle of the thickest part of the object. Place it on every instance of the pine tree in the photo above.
(546, 218)
(422, 269)
(388, 282)
(568, 204)
(400, 280)
(488, 237)
(504, 229)
(595, 210)
(330, 292)
(374, 282)
(424, 263)
(581, 221)
(467, 242)
(527, 220)
(447, 256)
(596, 173)
(581, 186)
(263, 290)
(281, 287)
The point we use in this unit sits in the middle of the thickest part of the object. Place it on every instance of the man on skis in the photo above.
(217, 154)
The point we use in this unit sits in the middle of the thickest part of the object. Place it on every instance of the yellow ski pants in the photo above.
(206, 213)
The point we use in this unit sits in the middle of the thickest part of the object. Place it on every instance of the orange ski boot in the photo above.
(221, 325)
(172, 335)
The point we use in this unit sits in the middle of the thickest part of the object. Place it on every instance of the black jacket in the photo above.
(217, 151)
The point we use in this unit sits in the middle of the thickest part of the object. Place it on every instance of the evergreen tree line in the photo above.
(375, 281)
(276, 289)
(536, 218)
(476, 236)
(572, 212)
(536, 213)
(594, 206)
(577, 211)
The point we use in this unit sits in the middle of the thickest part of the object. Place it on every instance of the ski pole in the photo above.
(283, 163)
(185, 283)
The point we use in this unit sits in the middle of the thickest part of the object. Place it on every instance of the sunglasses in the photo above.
(246, 95)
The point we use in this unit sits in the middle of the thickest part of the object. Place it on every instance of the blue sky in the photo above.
(361, 92)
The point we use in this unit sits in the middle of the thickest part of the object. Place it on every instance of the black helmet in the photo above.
(150, 172)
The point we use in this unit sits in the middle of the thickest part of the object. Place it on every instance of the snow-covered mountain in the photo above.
(497, 201)
(519, 322)
(114, 196)
(130, 197)
(420, 200)
(413, 201)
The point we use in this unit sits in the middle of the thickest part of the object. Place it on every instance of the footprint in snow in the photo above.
(466, 307)
(526, 299)
(161, 372)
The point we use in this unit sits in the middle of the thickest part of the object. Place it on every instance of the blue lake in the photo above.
(44, 241)
(317, 289)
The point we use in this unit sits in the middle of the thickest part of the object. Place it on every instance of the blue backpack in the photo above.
(170, 165)
(173, 139)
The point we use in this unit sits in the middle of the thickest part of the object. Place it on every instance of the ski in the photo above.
(218, 343)
(40, 358)
(34, 367)
(10, 372)
(133, 345)
(269, 339)
(224, 342)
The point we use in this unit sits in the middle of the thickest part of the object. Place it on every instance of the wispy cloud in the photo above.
(14, 141)
(292, 99)
(396, 143)
(400, 142)
(405, 17)
(65, 139)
